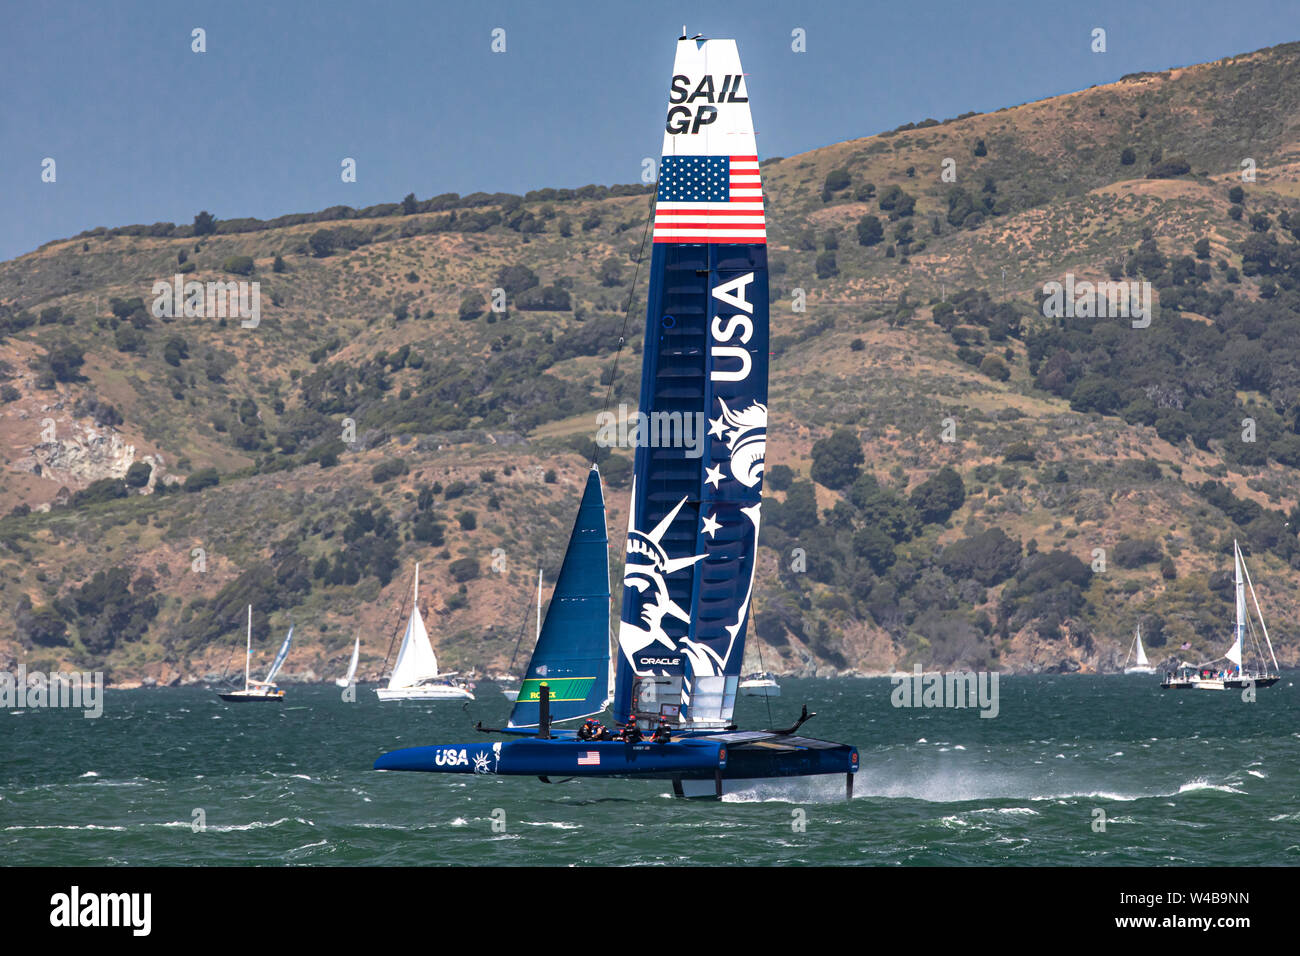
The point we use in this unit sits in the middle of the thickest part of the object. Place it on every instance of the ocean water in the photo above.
(1179, 778)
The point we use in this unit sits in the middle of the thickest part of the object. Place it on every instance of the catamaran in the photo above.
(352, 666)
(692, 539)
(1140, 664)
(1230, 670)
(259, 690)
(415, 675)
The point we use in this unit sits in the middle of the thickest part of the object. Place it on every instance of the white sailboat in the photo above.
(1231, 670)
(259, 690)
(352, 666)
(1140, 665)
(415, 675)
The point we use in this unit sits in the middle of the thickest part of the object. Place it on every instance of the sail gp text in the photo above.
(688, 118)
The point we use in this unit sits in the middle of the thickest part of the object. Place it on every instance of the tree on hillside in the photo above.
(870, 231)
(515, 279)
(936, 498)
(65, 361)
(836, 459)
(611, 272)
(205, 224)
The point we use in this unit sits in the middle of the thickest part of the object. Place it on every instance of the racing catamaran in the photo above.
(1232, 672)
(692, 538)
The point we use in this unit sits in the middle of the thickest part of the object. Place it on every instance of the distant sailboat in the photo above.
(352, 667)
(415, 675)
(1141, 665)
(760, 685)
(259, 690)
(1233, 673)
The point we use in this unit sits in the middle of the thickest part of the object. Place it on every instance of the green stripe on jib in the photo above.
(566, 688)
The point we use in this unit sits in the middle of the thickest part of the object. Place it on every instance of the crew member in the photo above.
(663, 733)
(631, 732)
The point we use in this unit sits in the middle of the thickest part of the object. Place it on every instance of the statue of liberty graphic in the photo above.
(646, 568)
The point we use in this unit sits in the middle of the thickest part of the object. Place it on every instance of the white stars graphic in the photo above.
(711, 525)
(713, 476)
(718, 427)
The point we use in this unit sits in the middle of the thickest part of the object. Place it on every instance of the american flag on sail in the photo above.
(709, 199)
(590, 759)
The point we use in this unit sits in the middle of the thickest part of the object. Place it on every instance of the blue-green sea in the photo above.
(1074, 770)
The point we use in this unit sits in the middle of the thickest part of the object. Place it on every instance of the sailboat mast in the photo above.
(248, 653)
(1260, 613)
(539, 605)
(1241, 592)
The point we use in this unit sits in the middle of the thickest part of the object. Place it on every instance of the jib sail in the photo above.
(572, 653)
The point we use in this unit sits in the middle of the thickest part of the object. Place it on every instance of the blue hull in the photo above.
(740, 756)
(565, 757)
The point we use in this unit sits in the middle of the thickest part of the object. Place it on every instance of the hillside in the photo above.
(944, 460)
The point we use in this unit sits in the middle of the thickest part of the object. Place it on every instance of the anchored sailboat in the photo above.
(415, 675)
(1231, 670)
(1140, 665)
(259, 690)
(692, 539)
(352, 666)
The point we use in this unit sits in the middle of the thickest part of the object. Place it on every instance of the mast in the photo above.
(248, 653)
(539, 607)
(1276, 667)
(1234, 652)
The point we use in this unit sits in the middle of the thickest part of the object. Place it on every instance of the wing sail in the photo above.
(693, 527)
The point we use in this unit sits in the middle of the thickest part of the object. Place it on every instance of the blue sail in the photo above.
(693, 527)
(572, 653)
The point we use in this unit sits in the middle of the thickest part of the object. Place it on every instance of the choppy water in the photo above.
(1182, 778)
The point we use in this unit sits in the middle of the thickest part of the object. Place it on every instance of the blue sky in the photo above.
(142, 129)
